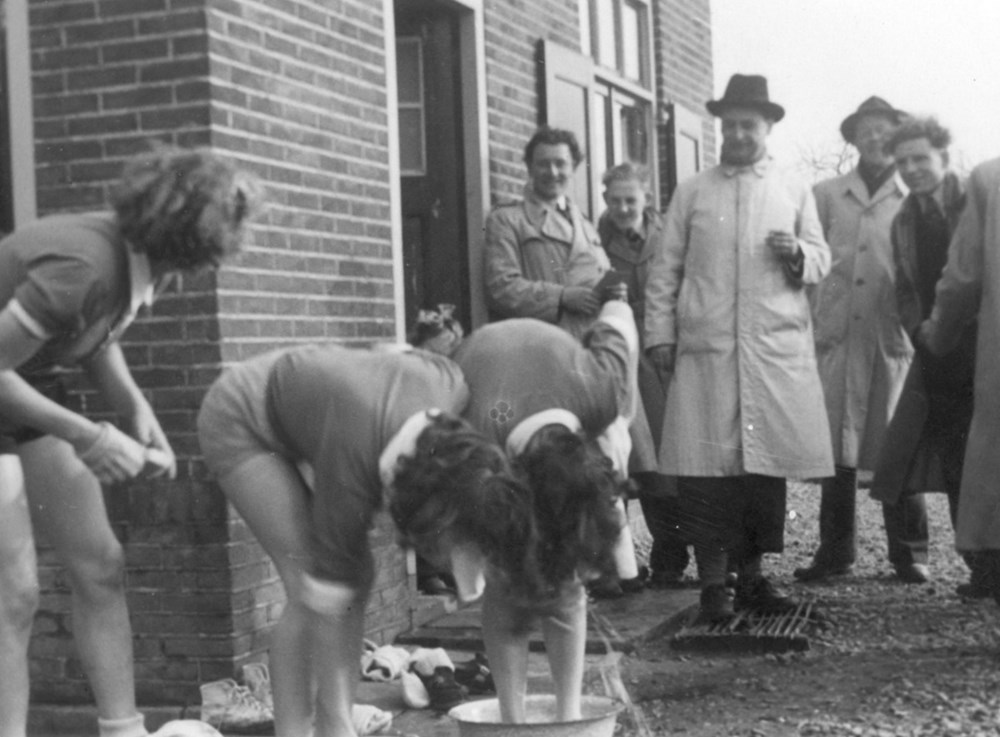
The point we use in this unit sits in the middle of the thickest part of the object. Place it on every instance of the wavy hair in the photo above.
(185, 209)
(574, 490)
(458, 482)
(553, 137)
(936, 134)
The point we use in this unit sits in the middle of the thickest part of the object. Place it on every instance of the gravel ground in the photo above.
(896, 659)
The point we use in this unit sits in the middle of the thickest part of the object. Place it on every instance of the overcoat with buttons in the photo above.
(862, 350)
(745, 396)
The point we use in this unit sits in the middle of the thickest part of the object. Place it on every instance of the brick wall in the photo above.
(296, 92)
(513, 30)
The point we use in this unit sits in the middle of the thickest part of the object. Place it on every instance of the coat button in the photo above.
(859, 282)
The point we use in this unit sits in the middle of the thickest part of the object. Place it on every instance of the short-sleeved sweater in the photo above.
(338, 408)
(518, 367)
(70, 275)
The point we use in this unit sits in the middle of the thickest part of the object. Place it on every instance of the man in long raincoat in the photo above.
(728, 325)
(861, 349)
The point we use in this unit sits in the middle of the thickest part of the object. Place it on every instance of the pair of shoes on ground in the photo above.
(913, 573)
(231, 707)
(429, 681)
(818, 572)
(718, 602)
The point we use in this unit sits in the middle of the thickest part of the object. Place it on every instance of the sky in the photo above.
(822, 58)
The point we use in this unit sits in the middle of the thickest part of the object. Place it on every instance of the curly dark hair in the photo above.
(554, 137)
(575, 489)
(185, 209)
(912, 128)
(460, 483)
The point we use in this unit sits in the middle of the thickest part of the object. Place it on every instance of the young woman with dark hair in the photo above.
(559, 407)
(377, 428)
(69, 286)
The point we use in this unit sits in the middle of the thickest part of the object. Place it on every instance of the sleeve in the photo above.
(55, 293)
(958, 291)
(666, 272)
(816, 260)
(906, 292)
(509, 292)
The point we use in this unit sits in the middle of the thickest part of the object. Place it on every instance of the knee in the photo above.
(101, 569)
(19, 596)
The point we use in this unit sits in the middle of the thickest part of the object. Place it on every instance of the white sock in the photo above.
(133, 726)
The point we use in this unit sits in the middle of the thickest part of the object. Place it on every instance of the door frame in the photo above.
(475, 145)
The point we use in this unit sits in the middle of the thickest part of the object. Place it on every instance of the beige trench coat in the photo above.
(532, 253)
(861, 349)
(745, 396)
(970, 285)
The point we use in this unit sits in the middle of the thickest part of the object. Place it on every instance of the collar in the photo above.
(141, 280)
(403, 443)
(523, 431)
(759, 167)
(538, 209)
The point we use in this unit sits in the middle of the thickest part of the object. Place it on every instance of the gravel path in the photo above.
(897, 659)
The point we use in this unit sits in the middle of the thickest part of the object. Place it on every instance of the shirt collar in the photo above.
(759, 167)
(143, 285)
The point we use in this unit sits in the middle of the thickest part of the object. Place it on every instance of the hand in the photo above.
(582, 300)
(662, 358)
(112, 455)
(922, 337)
(783, 244)
(145, 428)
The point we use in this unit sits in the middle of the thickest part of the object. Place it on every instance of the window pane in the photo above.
(687, 157)
(635, 134)
(411, 140)
(408, 70)
(607, 47)
(631, 41)
(600, 124)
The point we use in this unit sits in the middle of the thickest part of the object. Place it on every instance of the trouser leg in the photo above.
(669, 554)
(837, 519)
(906, 530)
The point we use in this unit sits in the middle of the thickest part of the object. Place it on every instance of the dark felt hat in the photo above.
(747, 90)
(874, 105)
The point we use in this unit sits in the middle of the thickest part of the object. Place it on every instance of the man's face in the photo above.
(550, 169)
(626, 199)
(870, 135)
(921, 165)
(744, 136)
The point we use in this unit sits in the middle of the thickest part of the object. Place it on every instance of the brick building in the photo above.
(384, 131)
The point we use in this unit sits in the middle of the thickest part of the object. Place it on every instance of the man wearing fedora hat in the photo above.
(728, 326)
(862, 348)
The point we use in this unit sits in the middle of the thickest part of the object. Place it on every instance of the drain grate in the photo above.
(750, 630)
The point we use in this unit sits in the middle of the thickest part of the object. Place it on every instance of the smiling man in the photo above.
(728, 328)
(543, 258)
(925, 443)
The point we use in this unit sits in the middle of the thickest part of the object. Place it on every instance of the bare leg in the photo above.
(67, 505)
(18, 597)
(566, 643)
(507, 652)
(270, 496)
(338, 643)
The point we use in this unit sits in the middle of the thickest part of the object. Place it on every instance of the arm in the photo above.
(666, 274)
(813, 260)
(508, 290)
(109, 372)
(111, 455)
(958, 291)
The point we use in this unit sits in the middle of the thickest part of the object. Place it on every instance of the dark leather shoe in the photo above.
(973, 591)
(716, 604)
(818, 572)
(761, 595)
(913, 573)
